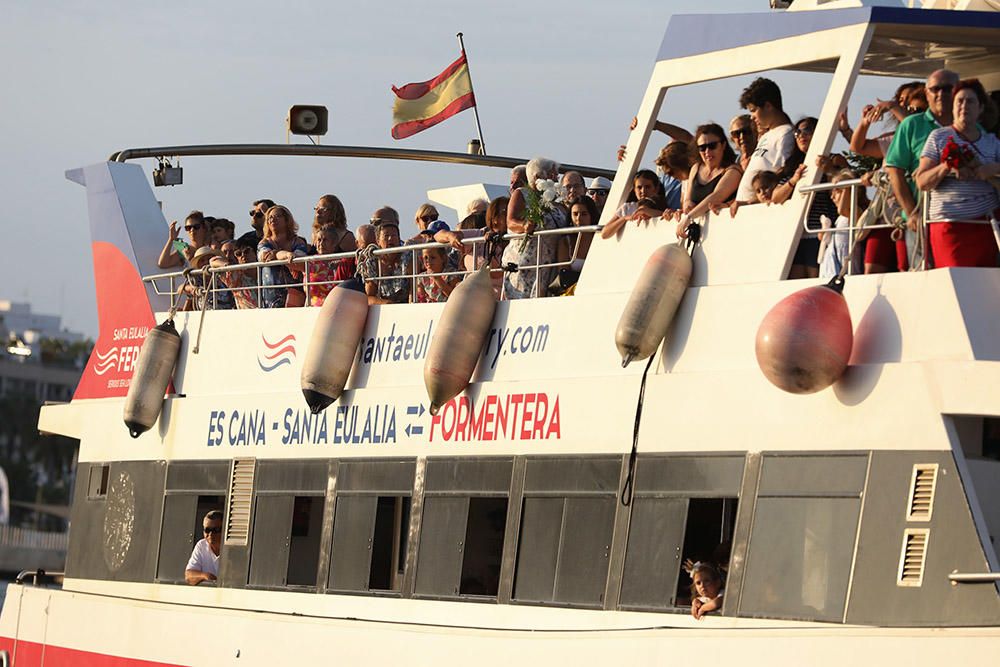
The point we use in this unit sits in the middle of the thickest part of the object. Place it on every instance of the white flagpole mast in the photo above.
(475, 108)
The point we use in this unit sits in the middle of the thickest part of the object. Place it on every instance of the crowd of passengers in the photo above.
(422, 275)
(939, 139)
(925, 125)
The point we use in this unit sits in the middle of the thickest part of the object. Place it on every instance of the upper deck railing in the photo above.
(213, 285)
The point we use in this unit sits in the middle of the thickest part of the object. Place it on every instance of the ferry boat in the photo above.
(855, 525)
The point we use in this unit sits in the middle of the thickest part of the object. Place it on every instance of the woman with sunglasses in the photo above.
(329, 212)
(805, 264)
(713, 180)
(425, 215)
(282, 287)
(178, 253)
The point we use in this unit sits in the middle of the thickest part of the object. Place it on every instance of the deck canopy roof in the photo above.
(906, 42)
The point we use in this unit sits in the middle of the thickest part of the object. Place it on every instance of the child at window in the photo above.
(706, 590)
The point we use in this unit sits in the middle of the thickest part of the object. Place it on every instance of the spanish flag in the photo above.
(422, 105)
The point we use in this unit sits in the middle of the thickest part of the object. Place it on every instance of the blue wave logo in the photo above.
(277, 354)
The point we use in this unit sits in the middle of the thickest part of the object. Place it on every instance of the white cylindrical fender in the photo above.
(152, 374)
(459, 338)
(653, 303)
(334, 344)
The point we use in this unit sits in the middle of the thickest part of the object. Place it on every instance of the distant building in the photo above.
(47, 372)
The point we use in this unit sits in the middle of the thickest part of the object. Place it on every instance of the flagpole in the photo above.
(475, 108)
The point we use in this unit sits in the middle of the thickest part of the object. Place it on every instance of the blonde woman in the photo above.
(281, 242)
(425, 215)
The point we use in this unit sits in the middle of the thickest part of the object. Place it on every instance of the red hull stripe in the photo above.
(413, 91)
(30, 654)
(404, 130)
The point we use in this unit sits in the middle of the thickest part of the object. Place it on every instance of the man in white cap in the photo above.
(598, 191)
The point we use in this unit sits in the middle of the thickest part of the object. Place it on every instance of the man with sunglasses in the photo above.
(776, 137)
(257, 212)
(204, 562)
(903, 156)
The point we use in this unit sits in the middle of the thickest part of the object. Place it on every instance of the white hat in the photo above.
(199, 261)
(599, 183)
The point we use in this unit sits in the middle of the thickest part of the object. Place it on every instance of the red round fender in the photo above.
(804, 342)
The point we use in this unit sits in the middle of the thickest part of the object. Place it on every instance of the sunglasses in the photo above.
(740, 132)
(799, 131)
(197, 225)
(213, 530)
(594, 193)
(321, 209)
(709, 146)
(428, 218)
(256, 214)
(944, 88)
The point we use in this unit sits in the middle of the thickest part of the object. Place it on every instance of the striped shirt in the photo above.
(953, 199)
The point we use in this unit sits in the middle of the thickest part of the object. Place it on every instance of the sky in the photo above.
(82, 80)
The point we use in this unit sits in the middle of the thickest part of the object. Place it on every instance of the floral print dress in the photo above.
(528, 283)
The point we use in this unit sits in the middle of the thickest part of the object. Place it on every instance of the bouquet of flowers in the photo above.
(545, 196)
(962, 158)
(957, 156)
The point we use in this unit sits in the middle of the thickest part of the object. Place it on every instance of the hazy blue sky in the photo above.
(81, 80)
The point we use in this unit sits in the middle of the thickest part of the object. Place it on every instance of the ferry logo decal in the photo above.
(277, 354)
(106, 361)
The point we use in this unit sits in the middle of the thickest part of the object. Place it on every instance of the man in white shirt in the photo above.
(776, 136)
(204, 562)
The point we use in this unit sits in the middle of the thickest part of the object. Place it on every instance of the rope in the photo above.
(180, 293)
(203, 293)
(629, 486)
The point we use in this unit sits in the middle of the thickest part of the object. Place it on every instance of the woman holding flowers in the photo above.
(534, 207)
(960, 170)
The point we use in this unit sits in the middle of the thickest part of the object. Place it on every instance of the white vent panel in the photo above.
(922, 486)
(913, 557)
(240, 501)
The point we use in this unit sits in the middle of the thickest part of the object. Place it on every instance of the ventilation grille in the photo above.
(911, 561)
(922, 492)
(240, 499)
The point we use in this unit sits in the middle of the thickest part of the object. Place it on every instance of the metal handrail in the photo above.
(924, 203)
(372, 152)
(211, 272)
(974, 577)
(39, 576)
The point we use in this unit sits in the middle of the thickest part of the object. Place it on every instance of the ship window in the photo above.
(802, 540)
(369, 542)
(663, 533)
(183, 514)
(98, 486)
(286, 540)
(461, 546)
(567, 521)
(978, 436)
(463, 525)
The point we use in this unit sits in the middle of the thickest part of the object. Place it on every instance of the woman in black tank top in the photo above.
(714, 178)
